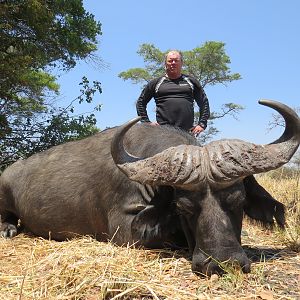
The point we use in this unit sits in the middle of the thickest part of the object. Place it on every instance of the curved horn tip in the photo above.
(125, 127)
(281, 108)
(274, 104)
(119, 154)
(267, 102)
(133, 121)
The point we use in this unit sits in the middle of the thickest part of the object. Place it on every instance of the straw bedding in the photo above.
(35, 268)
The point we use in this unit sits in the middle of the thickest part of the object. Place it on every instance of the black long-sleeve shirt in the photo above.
(174, 100)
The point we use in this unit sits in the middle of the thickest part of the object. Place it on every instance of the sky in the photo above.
(262, 39)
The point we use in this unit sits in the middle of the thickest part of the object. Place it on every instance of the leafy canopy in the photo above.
(36, 36)
(209, 64)
(39, 37)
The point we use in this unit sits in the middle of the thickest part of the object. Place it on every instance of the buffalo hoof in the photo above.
(8, 230)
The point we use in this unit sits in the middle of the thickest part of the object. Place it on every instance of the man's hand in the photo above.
(196, 130)
(154, 123)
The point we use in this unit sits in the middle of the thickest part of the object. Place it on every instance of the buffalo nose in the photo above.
(207, 268)
(242, 260)
(211, 265)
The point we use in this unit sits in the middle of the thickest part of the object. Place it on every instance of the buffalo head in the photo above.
(210, 189)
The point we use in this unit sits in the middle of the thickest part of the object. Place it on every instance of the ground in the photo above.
(35, 268)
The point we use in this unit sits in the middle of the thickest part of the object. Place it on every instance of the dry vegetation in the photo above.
(33, 268)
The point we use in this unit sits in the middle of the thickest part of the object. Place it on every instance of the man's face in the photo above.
(173, 65)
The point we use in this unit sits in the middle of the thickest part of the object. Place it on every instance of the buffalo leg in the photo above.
(8, 228)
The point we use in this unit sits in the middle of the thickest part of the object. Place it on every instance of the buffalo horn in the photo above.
(219, 163)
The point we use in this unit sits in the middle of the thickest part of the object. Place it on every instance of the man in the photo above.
(174, 95)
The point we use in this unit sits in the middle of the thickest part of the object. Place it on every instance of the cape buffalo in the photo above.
(149, 185)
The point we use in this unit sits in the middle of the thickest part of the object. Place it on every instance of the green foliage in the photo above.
(48, 32)
(38, 36)
(137, 75)
(231, 109)
(49, 127)
(154, 62)
(208, 63)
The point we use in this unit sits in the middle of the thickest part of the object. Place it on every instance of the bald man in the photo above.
(174, 95)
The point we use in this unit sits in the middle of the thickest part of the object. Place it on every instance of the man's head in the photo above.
(173, 64)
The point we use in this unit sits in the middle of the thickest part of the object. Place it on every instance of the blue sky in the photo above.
(262, 39)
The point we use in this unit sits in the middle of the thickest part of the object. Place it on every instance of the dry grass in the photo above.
(33, 268)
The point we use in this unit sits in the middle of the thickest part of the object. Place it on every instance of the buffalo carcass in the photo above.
(149, 185)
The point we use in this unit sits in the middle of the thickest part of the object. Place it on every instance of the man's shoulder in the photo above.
(190, 77)
(193, 79)
(155, 83)
(155, 80)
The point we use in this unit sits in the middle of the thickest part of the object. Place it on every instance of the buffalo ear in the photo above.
(261, 206)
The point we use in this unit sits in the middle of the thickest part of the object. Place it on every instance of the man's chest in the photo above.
(178, 88)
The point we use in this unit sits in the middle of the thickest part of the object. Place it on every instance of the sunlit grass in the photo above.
(287, 191)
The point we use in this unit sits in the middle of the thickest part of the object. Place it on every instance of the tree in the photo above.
(49, 128)
(37, 37)
(208, 63)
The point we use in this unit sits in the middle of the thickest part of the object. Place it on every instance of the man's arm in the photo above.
(141, 105)
(202, 102)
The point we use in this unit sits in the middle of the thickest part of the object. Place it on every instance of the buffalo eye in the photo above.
(232, 199)
(185, 206)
